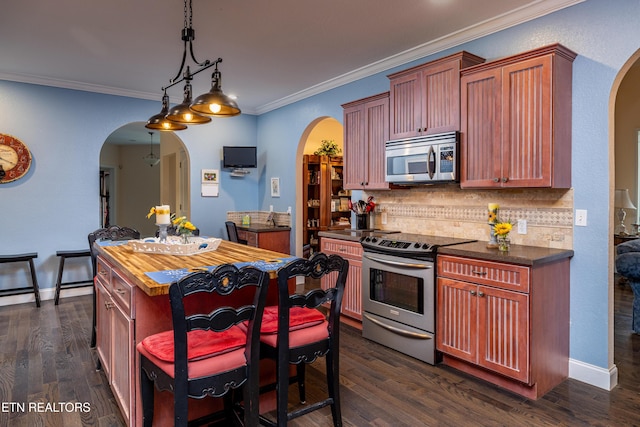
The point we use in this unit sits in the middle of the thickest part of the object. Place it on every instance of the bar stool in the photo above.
(69, 285)
(34, 280)
(296, 333)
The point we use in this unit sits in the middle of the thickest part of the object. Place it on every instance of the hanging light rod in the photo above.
(213, 103)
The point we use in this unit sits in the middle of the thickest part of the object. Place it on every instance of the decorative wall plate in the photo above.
(15, 158)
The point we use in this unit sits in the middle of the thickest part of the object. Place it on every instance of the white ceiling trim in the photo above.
(507, 20)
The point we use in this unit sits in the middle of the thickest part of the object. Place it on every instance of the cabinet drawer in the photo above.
(122, 293)
(506, 276)
(343, 248)
(103, 273)
(251, 238)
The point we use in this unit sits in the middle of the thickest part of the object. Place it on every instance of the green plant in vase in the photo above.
(328, 147)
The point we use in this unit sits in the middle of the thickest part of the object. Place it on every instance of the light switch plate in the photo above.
(522, 226)
(581, 217)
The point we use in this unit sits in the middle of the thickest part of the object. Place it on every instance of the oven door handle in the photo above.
(398, 263)
(399, 331)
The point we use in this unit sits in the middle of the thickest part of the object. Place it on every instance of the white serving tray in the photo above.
(174, 245)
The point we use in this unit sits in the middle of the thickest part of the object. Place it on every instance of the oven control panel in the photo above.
(404, 244)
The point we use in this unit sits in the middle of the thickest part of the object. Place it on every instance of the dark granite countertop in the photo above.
(346, 234)
(517, 254)
(263, 228)
(352, 235)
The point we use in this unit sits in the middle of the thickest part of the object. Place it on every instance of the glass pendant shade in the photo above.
(215, 102)
(160, 122)
(181, 113)
(151, 159)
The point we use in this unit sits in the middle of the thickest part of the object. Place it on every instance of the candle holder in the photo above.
(162, 234)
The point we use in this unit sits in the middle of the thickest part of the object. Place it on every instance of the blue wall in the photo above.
(56, 204)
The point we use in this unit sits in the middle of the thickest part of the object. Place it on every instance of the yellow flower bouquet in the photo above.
(183, 226)
(502, 229)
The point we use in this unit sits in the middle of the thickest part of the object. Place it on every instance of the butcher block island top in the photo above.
(134, 265)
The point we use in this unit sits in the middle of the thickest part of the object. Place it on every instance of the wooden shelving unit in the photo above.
(325, 200)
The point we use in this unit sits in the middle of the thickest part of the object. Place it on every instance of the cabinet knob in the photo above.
(505, 179)
(472, 293)
(496, 179)
(480, 294)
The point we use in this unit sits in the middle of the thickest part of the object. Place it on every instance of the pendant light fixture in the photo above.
(151, 159)
(214, 103)
(181, 113)
(160, 121)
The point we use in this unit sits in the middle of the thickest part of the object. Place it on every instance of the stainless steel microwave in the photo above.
(422, 160)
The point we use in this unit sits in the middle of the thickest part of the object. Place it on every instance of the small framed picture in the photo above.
(210, 176)
(275, 187)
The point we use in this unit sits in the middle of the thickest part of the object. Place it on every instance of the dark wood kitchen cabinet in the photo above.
(366, 130)
(516, 121)
(425, 99)
(505, 323)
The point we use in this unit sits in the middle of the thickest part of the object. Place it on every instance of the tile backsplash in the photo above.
(448, 210)
(259, 217)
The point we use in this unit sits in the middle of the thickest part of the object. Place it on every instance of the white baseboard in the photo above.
(593, 375)
(45, 294)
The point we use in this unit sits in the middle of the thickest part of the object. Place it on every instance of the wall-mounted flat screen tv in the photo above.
(239, 157)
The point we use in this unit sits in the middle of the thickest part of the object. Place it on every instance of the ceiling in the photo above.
(274, 51)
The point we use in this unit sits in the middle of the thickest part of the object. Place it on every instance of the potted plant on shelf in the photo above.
(328, 147)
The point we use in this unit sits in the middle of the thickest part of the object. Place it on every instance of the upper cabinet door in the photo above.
(526, 123)
(480, 140)
(441, 98)
(354, 148)
(405, 101)
(366, 130)
(516, 121)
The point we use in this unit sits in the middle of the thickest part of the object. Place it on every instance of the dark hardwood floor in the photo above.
(45, 359)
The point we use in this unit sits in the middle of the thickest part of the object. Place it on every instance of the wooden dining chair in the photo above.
(296, 332)
(207, 353)
(110, 233)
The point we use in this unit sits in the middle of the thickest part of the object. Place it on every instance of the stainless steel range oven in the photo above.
(398, 291)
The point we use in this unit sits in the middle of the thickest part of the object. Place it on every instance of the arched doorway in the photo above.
(131, 185)
(624, 128)
(319, 129)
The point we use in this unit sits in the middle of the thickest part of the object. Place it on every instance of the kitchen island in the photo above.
(130, 306)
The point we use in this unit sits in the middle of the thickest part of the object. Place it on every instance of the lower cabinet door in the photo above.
(456, 326)
(103, 329)
(503, 332)
(122, 375)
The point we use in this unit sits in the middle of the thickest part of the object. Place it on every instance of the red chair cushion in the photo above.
(200, 344)
(300, 337)
(299, 318)
(204, 367)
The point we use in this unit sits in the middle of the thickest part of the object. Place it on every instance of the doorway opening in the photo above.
(129, 186)
(322, 128)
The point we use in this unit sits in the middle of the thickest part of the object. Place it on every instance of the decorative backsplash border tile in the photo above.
(548, 217)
